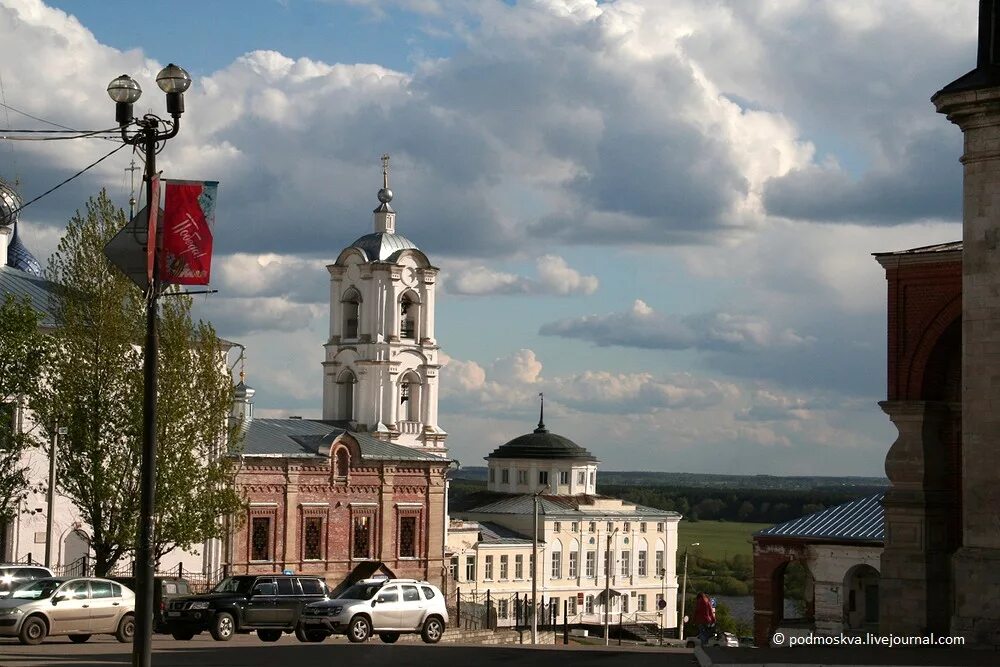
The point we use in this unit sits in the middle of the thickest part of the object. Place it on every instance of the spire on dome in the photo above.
(385, 217)
(541, 414)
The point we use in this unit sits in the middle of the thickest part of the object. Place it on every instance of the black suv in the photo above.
(268, 603)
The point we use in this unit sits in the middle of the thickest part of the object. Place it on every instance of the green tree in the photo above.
(195, 485)
(24, 352)
(95, 389)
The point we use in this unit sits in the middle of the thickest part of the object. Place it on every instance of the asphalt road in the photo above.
(247, 650)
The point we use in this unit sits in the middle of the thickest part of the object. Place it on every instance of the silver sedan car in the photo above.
(78, 607)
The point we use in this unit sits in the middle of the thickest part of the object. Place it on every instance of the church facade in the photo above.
(362, 489)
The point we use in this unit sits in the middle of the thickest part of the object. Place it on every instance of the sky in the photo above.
(660, 213)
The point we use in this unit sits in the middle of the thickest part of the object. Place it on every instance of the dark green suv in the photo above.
(269, 604)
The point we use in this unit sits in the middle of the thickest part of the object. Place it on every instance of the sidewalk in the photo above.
(851, 656)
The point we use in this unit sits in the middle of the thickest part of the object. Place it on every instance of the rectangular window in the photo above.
(260, 538)
(519, 566)
(312, 546)
(628, 527)
(493, 474)
(642, 603)
(642, 527)
(453, 567)
(589, 604)
(407, 537)
(575, 527)
(543, 477)
(593, 476)
(611, 526)
(581, 477)
(591, 563)
(626, 563)
(502, 609)
(556, 564)
(659, 527)
(574, 564)
(564, 477)
(642, 563)
(505, 476)
(503, 567)
(624, 604)
(593, 526)
(522, 476)
(488, 570)
(470, 568)
(659, 562)
(362, 537)
(659, 596)
(571, 607)
(608, 558)
(556, 526)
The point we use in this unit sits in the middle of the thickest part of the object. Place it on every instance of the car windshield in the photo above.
(37, 590)
(234, 585)
(360, 591)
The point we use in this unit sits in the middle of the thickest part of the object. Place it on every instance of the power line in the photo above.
(4, 104)
(83, 135)
(56, 187)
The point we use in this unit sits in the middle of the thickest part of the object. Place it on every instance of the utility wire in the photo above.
(83, 135)
(54, 188)
(4, 104)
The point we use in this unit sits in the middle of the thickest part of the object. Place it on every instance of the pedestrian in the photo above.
(704, 617)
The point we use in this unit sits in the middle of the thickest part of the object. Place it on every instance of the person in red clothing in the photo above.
(704, 616)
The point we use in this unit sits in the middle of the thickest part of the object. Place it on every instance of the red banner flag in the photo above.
(188, 218)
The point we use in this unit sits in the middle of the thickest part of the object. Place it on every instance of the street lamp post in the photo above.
(684, 583)
(607, 590)
(125, 91)
(534, 569)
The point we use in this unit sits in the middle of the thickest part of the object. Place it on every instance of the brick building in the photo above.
(363, 488)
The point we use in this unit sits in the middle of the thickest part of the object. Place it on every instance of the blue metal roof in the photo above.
(861, 520)
(380, 246)
(304, 437)
(39, 291)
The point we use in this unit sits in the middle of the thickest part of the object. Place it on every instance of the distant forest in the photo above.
(757, 499)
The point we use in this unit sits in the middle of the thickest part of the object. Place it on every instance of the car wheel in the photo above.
(388, 637)
(224, 627)
(182, 635)
(433, 630)
(310, 636)
(269, 635)
(126, 629)
(79, 639)
(359, 629)
(33, 631)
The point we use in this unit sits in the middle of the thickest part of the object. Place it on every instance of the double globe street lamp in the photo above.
(145, 134)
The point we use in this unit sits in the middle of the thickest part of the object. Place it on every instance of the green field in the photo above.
(719, 540)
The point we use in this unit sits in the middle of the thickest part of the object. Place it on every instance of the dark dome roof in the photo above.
(541, 444)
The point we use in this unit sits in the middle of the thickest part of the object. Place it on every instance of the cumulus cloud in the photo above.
(642, 327)
(554, 277)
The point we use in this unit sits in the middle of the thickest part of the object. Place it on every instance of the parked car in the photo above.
(165, 589)
(15, 575)
(386, 607)
(268, 604)
(78, 607)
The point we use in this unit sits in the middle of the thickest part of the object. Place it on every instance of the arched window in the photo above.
(409, 397)
(409, 309)
(341, 463)
(351, 304)
(345, 384)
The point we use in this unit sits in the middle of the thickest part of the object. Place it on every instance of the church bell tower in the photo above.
(381, 369)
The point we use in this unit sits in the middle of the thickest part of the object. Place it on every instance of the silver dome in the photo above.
(10, 201)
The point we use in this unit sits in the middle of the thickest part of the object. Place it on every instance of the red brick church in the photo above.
(363, 489)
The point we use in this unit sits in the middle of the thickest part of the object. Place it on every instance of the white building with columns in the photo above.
(381, 367)
(587, 544)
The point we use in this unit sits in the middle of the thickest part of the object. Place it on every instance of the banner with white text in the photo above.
(188, 219)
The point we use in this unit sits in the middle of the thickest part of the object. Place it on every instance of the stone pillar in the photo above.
(976, 564)
(436, 521)
(290, 553)
(387, 516)
(914, 594)
(768, 591)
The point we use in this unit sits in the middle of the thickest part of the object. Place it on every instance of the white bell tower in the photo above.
(381, 368)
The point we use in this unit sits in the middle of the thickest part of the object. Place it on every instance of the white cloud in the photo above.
(555, 277)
